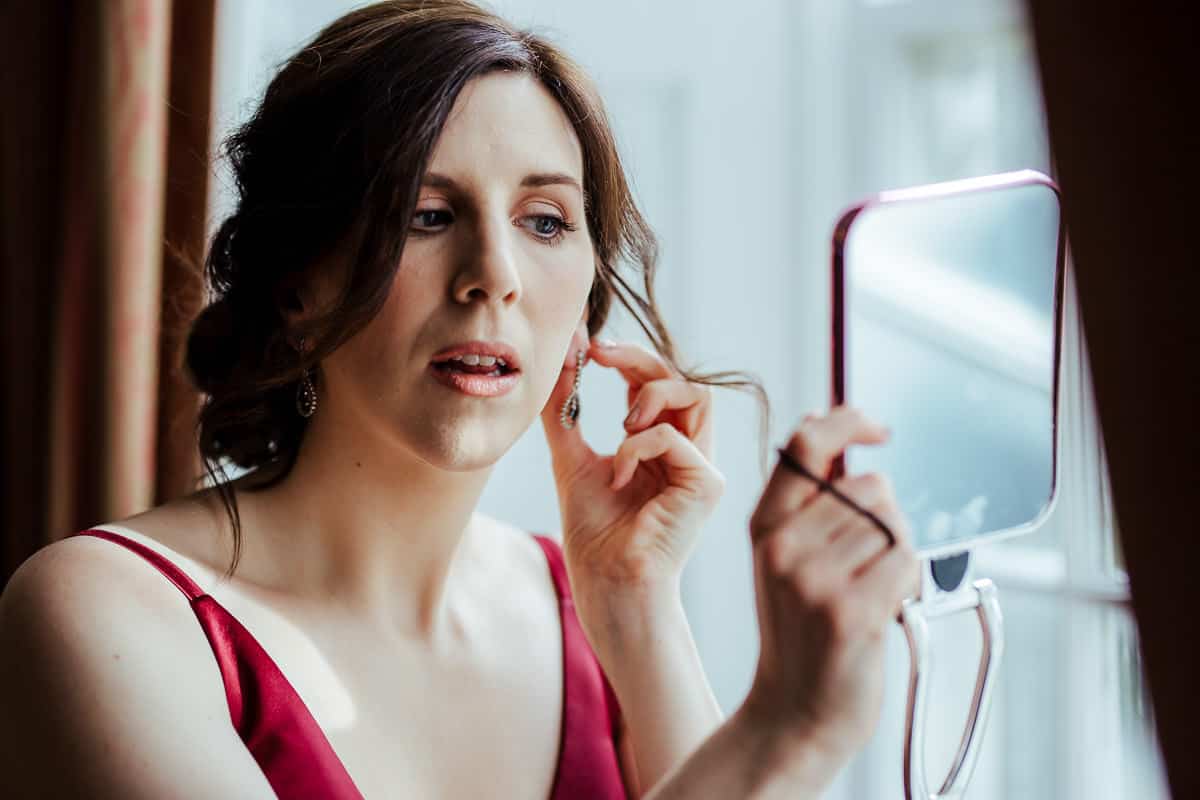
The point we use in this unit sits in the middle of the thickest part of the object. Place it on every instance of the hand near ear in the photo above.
(631, 518)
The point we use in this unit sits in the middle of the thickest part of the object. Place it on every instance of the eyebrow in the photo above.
(536, 179)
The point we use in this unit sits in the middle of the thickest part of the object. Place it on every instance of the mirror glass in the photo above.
(948, 333)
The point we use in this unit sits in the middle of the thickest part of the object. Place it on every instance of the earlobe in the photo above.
(580, 340)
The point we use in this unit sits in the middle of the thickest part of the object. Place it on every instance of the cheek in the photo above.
(559, 298)
(373, 356)
(559, 308)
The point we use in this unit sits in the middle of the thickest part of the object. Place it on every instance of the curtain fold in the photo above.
(104, 185)
(193, 26)
(1120, 86)
(106, 326)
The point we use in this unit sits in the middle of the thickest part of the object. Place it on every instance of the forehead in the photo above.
(507, 125)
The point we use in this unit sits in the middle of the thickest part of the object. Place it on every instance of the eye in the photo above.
(431, 218)
(549, 227)
(546, 225)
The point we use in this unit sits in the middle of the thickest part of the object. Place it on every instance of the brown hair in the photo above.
(331, 158)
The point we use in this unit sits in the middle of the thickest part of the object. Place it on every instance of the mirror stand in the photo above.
(936, 600)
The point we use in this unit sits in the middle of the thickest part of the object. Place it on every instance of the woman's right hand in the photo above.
(827, 586)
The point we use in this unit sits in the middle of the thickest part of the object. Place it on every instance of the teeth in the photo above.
(476, 360)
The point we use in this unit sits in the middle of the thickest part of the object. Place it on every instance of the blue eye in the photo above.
(549, 228)
(430, 218)
(541, 228)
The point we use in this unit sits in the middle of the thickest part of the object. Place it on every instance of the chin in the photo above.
(465, 446)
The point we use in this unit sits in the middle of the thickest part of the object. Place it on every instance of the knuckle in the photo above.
(869, 489)
(806, 585)
(651, 356)
(663, 432)
(873, 483)
(801, 444)
(855, 414)
(652, 390)
(776, 552)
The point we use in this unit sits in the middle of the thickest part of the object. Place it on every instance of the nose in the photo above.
(489, 269)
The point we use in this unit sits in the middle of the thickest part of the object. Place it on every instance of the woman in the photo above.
(427, 239)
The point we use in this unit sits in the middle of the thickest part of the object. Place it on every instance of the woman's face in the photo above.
(498, 253)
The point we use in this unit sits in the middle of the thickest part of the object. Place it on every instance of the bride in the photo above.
(432, 226)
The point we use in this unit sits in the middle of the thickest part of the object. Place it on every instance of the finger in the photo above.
(868, 497)
(568, 449)
(667, 394)
(888, 582)
(852, 548)
(815, 525)
(826, 511)
(664, 442)
(815, 443)
(637, 364)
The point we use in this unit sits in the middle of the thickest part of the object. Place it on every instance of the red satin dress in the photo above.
(298, 760)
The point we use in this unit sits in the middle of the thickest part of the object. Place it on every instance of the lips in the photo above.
(477, 368)
(480, 353)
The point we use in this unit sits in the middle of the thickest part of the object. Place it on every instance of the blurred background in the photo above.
(745, 133)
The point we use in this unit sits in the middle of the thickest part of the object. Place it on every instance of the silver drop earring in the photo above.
(570, 408)
(306, 393)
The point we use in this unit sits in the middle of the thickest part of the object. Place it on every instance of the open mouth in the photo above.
(487, 366)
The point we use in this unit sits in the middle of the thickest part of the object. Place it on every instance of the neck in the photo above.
(373, 530)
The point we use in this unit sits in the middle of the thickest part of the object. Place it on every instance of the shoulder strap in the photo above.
(558, 567)
(173, 573)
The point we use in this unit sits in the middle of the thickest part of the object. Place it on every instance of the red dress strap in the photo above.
(173, 573)
(266, 711)
(588, 766)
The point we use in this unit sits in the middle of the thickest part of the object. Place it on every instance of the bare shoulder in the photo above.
(83, 579)
(193, 527)
(510, 546)
(103, 665)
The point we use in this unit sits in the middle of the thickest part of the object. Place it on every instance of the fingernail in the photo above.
(631, 419)
(605, 343)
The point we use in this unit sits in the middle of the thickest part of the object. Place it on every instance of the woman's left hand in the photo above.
(631, 518)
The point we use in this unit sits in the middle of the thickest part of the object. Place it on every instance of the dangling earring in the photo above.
(570, 408)
(306, 393)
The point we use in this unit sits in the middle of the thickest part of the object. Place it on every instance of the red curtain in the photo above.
(104, 169)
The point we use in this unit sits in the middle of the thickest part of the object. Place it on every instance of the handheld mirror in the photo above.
(947, 320)
(947, 306)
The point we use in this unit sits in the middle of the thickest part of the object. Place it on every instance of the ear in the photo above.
(311, 292)
(580, 340)
(294, 309)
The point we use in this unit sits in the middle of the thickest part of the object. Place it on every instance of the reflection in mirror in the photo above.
(947, 307)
